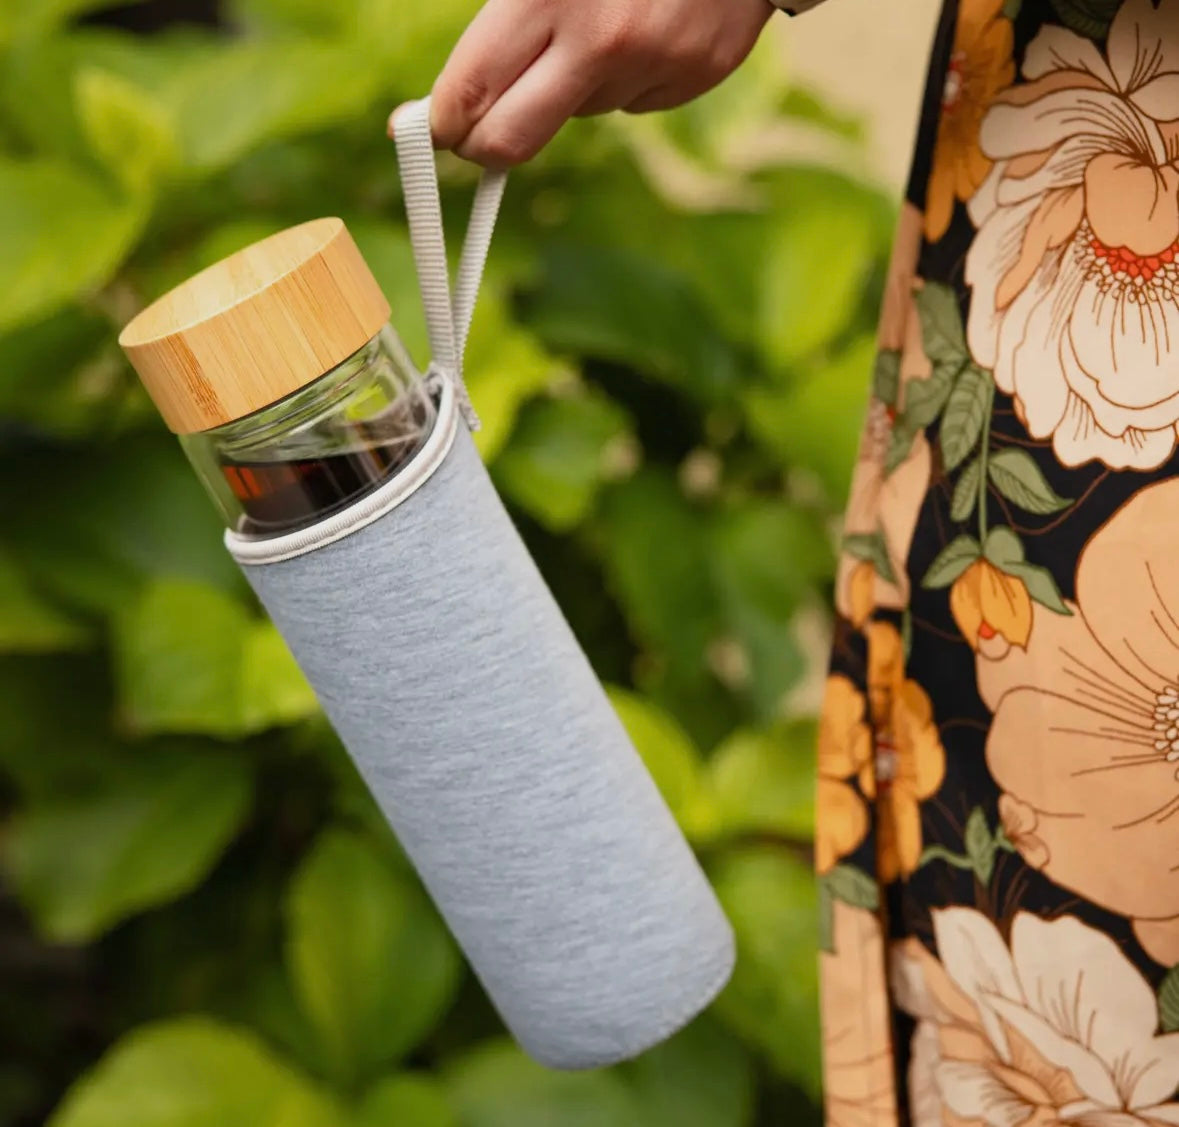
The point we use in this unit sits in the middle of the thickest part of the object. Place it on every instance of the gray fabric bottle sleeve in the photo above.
(452, 678)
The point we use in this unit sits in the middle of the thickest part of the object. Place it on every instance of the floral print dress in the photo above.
(998, 833)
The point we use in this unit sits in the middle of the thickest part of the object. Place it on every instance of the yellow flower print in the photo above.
(980, 67)
(910, 761)
(992, 609)
(845, 748)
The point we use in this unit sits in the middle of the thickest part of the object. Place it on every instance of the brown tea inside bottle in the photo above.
(282, 496)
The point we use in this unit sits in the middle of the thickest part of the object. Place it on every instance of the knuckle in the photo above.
(620, 35)
(458, 105)
(505, 149)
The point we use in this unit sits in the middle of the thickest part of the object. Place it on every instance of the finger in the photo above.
(501, 43)
(613, 96)
(667, 96)
(530, 112)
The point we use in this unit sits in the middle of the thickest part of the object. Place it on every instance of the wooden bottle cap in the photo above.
(256, 326)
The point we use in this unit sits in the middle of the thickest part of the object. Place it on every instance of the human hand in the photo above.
(524, 67)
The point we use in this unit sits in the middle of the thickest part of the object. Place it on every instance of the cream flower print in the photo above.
(885, 503)
(1074, 278)
(1055, 1028)
(858, 1082)
(1085, 736)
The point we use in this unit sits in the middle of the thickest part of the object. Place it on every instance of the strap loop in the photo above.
(448, 312)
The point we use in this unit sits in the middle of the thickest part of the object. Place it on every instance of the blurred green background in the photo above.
(203, 922)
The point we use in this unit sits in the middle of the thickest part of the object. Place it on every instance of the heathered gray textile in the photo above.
(450, 674)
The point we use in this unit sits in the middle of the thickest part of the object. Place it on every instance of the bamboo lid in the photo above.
(256, 326)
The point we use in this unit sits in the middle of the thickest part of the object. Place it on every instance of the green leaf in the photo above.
(1015, 474)
(371, 963)
(806, 425)
(126, 128)
(62, 234)
(811, 107)
(822, 249)
(406, 1100)
(760, 597)
(505, 366)
(1003, 547)
(558, 457)
(190, 659)
(670, 756)
(194, 1072)
(137, 512)
(611, 305)
(141, 837)
(225, 104)
(925, 398)
(965, 497)
(772, 1000)
(1040, 584)
(29, 623)
(764, 782)
(1169, 1001)
(980, 845)
(849, 884)
(496, 1085)
(941, 324)
(60, 376)
(966, 413)
(1011, 9)
(870, 546)
(655, 552)
(1091, 18)
(886, 376)
(951, 562)
(702, 1077)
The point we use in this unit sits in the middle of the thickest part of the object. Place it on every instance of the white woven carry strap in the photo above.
(448, 312)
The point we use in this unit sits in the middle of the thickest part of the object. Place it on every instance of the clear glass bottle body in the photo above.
(321, 448)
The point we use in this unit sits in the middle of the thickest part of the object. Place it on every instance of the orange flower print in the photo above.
(1054, 1027)
(1074, 271)
(1084, 742)
(909, 762)
(980, 67)
(858, 1080)
(992, 609)
(845, 749)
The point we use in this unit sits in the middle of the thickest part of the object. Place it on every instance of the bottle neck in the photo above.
(316, 451)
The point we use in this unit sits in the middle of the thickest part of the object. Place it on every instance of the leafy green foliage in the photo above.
(371, 963)
(193, 1072)
(670, 396)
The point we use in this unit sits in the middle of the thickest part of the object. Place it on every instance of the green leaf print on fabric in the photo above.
(951, 562)
(1090, 18)
(980, 845)
(849, 884)
(966, 414)
(941, 323)
(871, 546)
(966, 492)
(1169, 1001)
(1015, 474)
(886, 376)
(1005, 550)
